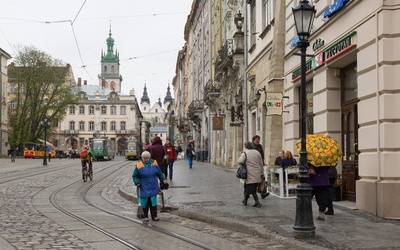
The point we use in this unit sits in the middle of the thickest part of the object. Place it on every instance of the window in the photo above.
(266, 13)
(310, 108)
(72, 110)
(103, 126)
(113, 126)
(91, 126)
(72, 125)
(12, 88)
(82, 126)
(253, 23)
(113, 110)
(12, 104)
(123, 125)
(156, 110)
(81, 110)
(103, 110)
(91, 110)
(123, 110)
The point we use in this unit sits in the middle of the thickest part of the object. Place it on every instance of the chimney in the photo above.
(84, 82)
(79, 81)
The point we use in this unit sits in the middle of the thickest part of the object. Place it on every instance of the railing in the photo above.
(195, 107)
(211, 91)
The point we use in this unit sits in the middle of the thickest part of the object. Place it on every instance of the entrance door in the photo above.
(350, 151)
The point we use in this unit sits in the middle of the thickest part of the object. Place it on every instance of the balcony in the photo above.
(196, 107)
(70, 132)
(211, 92)
(224, 59)
(126, 132)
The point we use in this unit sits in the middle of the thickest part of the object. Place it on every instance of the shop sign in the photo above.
(274, 103)
(340, 47)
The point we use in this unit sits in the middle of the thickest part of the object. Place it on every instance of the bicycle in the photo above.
(87, 172)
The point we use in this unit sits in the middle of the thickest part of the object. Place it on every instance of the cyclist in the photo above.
(86, 157)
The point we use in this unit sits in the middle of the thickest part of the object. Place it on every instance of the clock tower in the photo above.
(110, 77)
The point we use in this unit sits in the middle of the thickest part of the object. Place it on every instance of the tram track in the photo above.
(100, 175)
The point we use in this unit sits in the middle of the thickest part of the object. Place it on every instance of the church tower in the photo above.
(110, 77)
(145, 100)
(168, 98)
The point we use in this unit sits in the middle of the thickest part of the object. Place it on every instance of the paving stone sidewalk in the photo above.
(213, 194)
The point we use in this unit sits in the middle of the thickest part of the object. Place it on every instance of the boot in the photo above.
(246, 197)
(321, 216)
(257, 204)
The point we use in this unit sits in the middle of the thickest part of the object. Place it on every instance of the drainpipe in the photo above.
(245, 118)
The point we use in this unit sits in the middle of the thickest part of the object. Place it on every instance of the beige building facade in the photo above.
(352, 92)
(4, 57)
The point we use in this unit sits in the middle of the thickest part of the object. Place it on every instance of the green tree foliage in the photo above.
(43, 86)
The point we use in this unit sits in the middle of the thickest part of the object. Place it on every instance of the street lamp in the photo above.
(304, 224)
(140, 117)
(46, 123)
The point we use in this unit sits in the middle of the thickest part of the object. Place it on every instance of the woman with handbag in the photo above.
(319, 182)
(254, 163)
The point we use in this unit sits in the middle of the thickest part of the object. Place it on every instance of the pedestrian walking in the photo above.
(12, 153)
(157, 152)
(145, 177)
(332, 175)
(254, 164)
(256, 144)
(170, 150)
(320, 185)
(190, 153)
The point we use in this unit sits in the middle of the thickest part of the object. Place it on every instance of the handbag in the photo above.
(241, 173)
(262, 186)
(338, 182)
(166, 158)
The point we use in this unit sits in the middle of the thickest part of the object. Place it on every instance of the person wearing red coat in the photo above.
(157, 152)
(169, 148)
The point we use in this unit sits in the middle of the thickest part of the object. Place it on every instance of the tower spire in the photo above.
(168, 97)
(145, 98)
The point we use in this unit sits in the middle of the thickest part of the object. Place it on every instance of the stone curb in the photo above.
(229, 223)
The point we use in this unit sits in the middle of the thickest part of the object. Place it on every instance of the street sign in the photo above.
(274, 103)
(218, 123)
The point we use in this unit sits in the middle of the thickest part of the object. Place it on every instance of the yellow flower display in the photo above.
(322, 150)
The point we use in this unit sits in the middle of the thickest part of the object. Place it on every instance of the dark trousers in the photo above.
(329, 203)
(170, 169)
(153, 210)
(321, 195)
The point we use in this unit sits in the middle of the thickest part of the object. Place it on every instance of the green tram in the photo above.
(132, 150)
(103, 149)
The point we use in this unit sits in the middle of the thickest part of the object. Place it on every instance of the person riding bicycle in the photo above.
(86, 157)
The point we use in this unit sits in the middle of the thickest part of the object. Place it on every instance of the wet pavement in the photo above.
(213, 194)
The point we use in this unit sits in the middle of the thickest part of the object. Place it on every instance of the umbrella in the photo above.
(322, 150)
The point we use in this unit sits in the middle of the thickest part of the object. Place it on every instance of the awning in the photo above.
(47, 143)
(335, 7)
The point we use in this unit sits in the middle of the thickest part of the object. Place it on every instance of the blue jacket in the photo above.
(146, 174)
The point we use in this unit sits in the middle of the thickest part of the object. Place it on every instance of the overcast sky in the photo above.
(148, 35)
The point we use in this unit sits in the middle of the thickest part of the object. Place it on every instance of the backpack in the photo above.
(83, 154)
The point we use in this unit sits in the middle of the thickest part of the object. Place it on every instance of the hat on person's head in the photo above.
(146, 154)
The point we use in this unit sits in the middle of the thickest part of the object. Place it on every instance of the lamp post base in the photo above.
(304, 224)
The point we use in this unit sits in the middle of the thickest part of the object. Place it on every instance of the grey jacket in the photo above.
(254, 165)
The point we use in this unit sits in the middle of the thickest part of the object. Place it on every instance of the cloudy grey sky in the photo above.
(148, 35)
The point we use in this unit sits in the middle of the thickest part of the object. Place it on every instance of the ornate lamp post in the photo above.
(304, 225)
(46, 123)
(140, 117)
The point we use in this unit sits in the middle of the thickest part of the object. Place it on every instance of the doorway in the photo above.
(349, 132)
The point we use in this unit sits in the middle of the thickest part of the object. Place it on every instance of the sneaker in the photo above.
(146, 219)
(155, 219)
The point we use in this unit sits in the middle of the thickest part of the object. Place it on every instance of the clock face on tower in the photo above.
(82, 95)
(113, 95)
